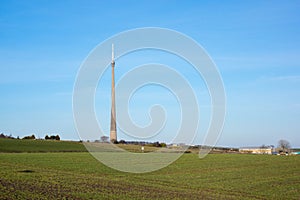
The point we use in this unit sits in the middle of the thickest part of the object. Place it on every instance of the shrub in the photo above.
(122, 142)
(114, 141)
(52, 137)
(32, 137)
(57, 137)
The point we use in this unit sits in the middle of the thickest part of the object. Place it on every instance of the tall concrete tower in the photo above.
(113, 125)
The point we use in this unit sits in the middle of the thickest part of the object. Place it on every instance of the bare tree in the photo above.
(284, 145)
(104, 139)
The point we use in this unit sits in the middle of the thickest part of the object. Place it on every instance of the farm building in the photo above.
(256, 150)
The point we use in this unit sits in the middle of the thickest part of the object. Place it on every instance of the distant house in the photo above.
(256, 150)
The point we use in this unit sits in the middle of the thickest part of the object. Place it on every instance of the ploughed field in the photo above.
(77, 175)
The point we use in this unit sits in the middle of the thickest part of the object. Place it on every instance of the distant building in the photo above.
(257, 150)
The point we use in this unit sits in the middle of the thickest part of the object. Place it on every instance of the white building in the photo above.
(256, 150)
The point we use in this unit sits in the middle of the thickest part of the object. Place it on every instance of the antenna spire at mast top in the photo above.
(112, 53)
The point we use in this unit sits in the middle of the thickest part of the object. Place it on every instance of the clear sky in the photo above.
(255, 44)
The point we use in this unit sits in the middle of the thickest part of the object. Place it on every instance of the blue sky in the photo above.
(255, 44)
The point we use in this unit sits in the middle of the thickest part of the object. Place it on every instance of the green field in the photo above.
(77, 175)
(18, 146)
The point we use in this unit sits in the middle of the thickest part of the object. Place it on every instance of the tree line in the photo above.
(105, 139)
(31, 137)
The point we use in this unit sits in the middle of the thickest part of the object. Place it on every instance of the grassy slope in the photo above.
(17, 146)
(80, 176)
(33, 146)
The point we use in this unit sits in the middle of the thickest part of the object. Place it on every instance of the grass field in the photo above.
(78, 175)
(17, 146)
(34, 146)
